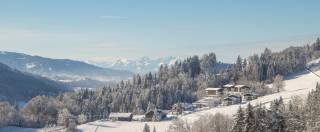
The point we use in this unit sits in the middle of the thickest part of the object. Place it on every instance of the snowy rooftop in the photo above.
(228, 85)
(240, 86)
(120, 114)
(213, 89)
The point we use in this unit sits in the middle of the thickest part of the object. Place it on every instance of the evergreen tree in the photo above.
(313, 110)
(278, 123)
(238, 125)
(154, 129)
(249, 121)
(261, 119)
(239, 65)
(146, 128)
(295, 120)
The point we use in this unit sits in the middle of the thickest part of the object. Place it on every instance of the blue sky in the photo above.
(108, 30)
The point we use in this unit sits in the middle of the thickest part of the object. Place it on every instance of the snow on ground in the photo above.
(19, 129)
(298, 84)
(122, 126)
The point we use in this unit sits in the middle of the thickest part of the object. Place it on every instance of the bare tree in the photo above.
(278, 83)
(8, 115)
(179, 126)
(212, 123)
(206, 123)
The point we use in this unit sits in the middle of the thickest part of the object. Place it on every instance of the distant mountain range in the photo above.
(144, 64)
(141, 65)
(20, 86)
(60, 68)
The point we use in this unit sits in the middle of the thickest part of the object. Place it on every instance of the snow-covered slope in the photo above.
(298, 84)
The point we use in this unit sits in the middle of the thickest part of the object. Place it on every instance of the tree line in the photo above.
(183, 81)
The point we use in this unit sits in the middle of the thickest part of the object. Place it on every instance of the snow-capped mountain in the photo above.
(60, 68)
(141, 65)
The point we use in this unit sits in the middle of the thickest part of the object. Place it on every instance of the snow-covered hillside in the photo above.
(298, 84)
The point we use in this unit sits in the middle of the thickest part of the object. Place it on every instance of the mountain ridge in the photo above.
(52, 68)
(144, 64)
(29, 85)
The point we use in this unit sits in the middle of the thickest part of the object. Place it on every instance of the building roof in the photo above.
(116, 115)
(184, 105)
(248, 94)
(228, 85)
(233, 96)
(241, 86)
(227, 98)
(215, 89)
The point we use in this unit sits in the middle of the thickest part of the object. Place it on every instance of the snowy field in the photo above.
(135, 126)
(298, 84)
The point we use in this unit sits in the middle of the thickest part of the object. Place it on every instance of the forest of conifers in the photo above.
(183, 81)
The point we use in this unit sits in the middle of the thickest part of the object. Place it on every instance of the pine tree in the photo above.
(239, 64)
(249, 119)
(154, 129)
(146, 128)
(295, 120)
(261, 119)
(238, 125)
(313, 110)
(278, 123)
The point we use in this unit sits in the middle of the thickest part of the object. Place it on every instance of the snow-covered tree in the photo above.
(238, 125)
(278, 122)
(82, 119)
(154, 129)
(249, 121)
(278, 83)
(71, 125)
(296, 117)
(8, 115)
(146, 128)
(63, 117)
(262, 120)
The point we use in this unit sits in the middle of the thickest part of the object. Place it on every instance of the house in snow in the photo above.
(214, 92)
(155, 115)
(238, 90)
(231, 99)
(248, 97)
(178, 108)
(200, 104)
(120, 116)
(228, 87)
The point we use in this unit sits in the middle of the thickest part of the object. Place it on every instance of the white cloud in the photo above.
(113, 17)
